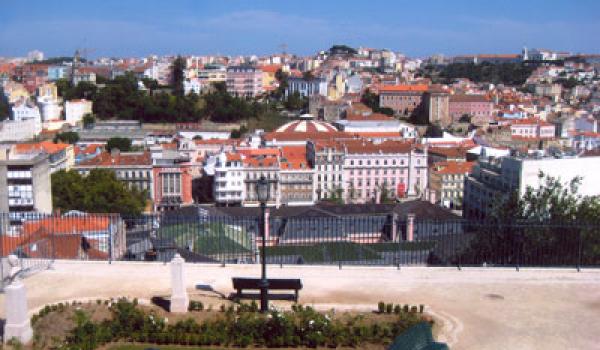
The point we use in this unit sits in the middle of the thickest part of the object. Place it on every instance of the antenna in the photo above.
(283, 48)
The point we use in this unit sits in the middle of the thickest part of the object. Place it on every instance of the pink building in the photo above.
(172, 186)
(478, 107)
(403, 99)
(397, 167)
(532, 129)
(244, 81)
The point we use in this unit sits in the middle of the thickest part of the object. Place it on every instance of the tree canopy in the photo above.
(371, 100)
(504, 73)
(70, 137)
(177, 76)
(98, 192)
(123, 144)
(550, 224)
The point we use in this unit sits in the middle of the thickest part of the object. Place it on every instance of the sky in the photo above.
(242, 27)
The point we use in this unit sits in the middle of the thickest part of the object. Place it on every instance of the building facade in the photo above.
(25, 186)
(477, 107)
(403, 99)
(244, 81)
(493, 179)
(447, 180)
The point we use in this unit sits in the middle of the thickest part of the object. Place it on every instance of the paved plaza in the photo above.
(478, 308)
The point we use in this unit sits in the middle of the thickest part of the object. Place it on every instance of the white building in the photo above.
(228, 188)
(494, 179)
(192, 85)
(76, 109)
(22, 111)
(19, 130)
(50, 108)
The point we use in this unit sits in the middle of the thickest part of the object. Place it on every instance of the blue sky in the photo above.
(417, 28)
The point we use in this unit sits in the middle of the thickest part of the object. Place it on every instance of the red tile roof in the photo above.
(106, 159)
(403, 88)
(270, 68)
(46, 146)
(452, 167)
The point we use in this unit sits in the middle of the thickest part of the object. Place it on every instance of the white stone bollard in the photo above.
(17, 320)
(179, 296)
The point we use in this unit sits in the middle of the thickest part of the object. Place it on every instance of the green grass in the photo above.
(345, 251)
(209, 239)
(402, 246)
(326, 252)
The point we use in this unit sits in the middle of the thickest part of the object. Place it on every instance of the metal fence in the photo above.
(339, 240)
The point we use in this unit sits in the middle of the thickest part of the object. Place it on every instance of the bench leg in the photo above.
(296, 295)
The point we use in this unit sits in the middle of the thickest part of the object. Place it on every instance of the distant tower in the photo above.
(525, 53)
(75, 63)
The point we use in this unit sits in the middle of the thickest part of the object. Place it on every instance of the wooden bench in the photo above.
(239, 284)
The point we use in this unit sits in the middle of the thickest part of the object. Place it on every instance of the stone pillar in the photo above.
(17, 320)
(179, 296)
(432, 197)
(410, 227)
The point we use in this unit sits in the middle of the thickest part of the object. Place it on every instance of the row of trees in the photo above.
(552, 224)
(504, 73)
(98, 192)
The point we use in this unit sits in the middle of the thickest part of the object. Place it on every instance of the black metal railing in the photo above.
(39, 239)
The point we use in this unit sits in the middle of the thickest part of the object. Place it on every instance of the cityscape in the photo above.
(407, 201)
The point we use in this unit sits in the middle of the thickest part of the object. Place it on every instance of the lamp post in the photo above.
(262, 191)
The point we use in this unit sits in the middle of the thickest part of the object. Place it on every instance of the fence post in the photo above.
(518, 258)
(579, 249)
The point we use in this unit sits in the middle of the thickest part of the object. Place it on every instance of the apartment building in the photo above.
(244, 81)
(25, 186)
(494, 178)
(447, 180)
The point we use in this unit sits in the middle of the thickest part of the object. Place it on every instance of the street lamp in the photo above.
(262, 192)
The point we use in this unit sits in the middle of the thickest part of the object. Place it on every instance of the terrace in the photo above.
(476, 308)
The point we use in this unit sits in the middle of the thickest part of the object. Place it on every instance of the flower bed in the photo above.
(233, 326)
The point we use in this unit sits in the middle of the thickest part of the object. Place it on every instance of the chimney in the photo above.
(410, 227)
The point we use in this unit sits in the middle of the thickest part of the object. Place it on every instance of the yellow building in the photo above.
(337, 88)
(268, 76)
(15, 92)
(48, 90)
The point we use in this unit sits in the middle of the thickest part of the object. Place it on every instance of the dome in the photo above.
(306, 126)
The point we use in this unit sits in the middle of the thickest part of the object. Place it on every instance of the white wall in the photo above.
(565, 169)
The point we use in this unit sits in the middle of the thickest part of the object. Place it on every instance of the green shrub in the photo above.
(421, 308)
(381, 307)
(300, 327)
(389, 308)
(405, 308)
(397, 309)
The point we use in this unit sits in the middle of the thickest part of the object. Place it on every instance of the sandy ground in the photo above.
(478, 308)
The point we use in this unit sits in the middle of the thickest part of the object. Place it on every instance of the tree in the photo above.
(385, 196)
(465, 118)
(178, 76)
(308, 76)
(371, 100)
(295, 102)
(88, 120)
(121, 143)
(550, 224)
(434, 131)
(4, 108)
(70, 137)
(98, 192)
